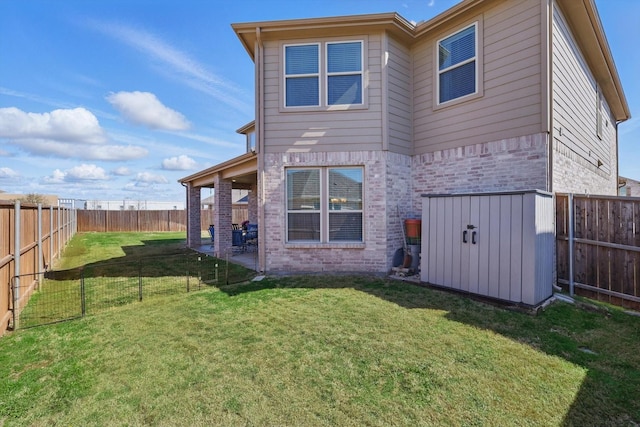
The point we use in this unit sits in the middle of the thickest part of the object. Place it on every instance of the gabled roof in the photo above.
(582, 17)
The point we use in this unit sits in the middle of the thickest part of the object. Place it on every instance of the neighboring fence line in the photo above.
(31, 238)
(602, 250)
(146, 220)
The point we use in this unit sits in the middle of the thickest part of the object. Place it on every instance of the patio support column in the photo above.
(252, 204)
(222, 218)
(194, 238)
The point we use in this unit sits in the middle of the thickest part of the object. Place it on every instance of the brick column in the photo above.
(253, 204)
(222, 218)
(193, 217)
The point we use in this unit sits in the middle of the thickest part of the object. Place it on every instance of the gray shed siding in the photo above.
(496, 245)
(510, 106)
(575, 106)
(399, 76)
(298, 130)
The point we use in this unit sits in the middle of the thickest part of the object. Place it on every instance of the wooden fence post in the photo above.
(40, 252)
(571, 242)
(50, 236)
(16, 265)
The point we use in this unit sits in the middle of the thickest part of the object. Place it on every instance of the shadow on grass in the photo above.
(156, 258)
(610, 392)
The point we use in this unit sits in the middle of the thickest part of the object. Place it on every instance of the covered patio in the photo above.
(237, 173)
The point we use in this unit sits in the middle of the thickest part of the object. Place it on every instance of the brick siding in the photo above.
(574, 174)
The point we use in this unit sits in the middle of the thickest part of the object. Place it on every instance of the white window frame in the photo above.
(287, 76)
(324, 210)
(323, 95)
(343, 73)
(475, 58)
(599, 115)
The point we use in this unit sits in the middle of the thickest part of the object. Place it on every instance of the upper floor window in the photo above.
(344, 73)
(599, 115)
(251, 142)
(457, 64)
(302, 75)
(333, 78)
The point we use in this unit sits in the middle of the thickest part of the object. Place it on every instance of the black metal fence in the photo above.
(68, 294)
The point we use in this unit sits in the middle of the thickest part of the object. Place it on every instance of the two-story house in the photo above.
(357, 116)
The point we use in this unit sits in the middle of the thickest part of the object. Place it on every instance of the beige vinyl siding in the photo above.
(399, 97)
(288, 130)
(574, 101)
(510, 106)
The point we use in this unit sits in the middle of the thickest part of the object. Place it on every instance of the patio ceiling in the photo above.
(241, 170)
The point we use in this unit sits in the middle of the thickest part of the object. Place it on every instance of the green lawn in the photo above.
(322, 351)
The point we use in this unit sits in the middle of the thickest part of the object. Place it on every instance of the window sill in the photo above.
(325, 109)
(318, 245)
(457, 101)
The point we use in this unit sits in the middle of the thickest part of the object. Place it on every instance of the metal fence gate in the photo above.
(69, 294)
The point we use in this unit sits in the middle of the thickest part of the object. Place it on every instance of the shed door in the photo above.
(474, 244)
(453, 257)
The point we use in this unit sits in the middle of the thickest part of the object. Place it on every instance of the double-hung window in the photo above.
(324, 204)
(458, 64)
(302, 75)
(344, 73)
(323, 74)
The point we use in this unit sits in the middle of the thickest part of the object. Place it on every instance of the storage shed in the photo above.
(498, 245)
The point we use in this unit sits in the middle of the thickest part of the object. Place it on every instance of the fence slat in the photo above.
(607, 247)
(141, 221)
(38, 240)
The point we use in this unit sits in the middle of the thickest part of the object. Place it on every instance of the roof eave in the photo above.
(390, 21)
(236, 161)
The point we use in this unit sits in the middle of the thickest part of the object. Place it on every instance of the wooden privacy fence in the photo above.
(31, 238)
(143, 220)
(598, 247)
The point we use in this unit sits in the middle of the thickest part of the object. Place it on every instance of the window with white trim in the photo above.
(315, 80)
(458, 64)
(599, 115)
(302, 75)
(344, 73)
(324, 204)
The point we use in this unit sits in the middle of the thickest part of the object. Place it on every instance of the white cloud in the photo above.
(179, 163)
(6, 173)
(187, 69)
(122, 171)
(77, 174)
(86, 173)
(150, 178)
(144, 108)
(65, 150)
(76, 125)
(56, 178)
(65, 133)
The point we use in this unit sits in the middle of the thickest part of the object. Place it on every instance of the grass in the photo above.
(325, 351)
(111, 269)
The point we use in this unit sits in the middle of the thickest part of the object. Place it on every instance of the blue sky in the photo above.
(118, 99)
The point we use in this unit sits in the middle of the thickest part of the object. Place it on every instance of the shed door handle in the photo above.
(473, 237)
(464, 236)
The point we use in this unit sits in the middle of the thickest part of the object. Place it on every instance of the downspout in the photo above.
(259, 76)
(550, 116)
(618, 187)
